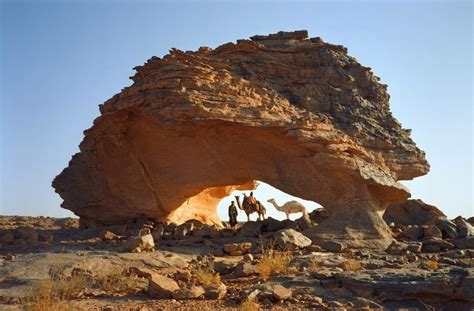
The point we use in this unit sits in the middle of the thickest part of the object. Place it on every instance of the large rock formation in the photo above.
(297, 113)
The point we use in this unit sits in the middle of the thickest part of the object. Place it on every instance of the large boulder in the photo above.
(290, 110)
(289, 239)
(161, 287)
(412, 212)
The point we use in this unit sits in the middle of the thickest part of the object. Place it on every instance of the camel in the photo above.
(250, 208)
(290, 207)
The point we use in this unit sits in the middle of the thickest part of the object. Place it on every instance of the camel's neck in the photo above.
(276, 205)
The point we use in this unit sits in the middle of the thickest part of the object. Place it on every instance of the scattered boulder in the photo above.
(183, 230)
(290, 239)
(332, 246)
(192, 292)
(6, 237)
(271, 224)
(224, 267)
(435, 245)
(141, 272)
(184, 276)
(161, 287)
(280, 292)
(215, 291)
(447, 227)
(432, 232)
(413, 233)
(464, 227)
(157, 232)
(107, 235)
(45, 236)
(67, 223)
(412, 212)
(251, 229)
(245, 269)
(464, 243)
(138, 244)
(414, 247)
(237, 249)
(396, 248)
(28, 234)
(319, 215)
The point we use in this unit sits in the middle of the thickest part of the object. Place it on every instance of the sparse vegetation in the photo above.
(53, 293)
(432, 264)
(273, 262)
(313, 264)
(204, 272)
(351, 265)
(249, 305)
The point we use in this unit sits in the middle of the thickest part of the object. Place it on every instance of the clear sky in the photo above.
(61, 59)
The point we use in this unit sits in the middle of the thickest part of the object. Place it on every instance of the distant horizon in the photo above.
(60, 60)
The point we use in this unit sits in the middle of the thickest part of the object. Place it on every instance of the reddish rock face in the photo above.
(297, 113)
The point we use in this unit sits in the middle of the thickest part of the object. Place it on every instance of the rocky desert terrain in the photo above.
(57, 264)
(295, 112)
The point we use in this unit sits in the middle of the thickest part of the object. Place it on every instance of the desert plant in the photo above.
(431, 264)
(249, 305)
(273, 262)
(351, 265)
(204, 271)
(313, 264)
(116, 282)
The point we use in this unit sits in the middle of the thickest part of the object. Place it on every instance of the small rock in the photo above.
(464, 243)
(414, 247)
(107, 235)
(396, 248)
(436, 244)
(248, 257)
(280, 292)
(432, 232)
(413, 233)
(245, 269)
(183, 230)
(237, 249)
(161, 287)
(224, 267)
(270, 225)
(157, 232)
(189, 293)
(215, 291)
(333, 246)
(45, 236)
(28, 234)
(447, 227)
(141, 272)
(464, 228)
(6, 237)
(184, 276)
(138, 244)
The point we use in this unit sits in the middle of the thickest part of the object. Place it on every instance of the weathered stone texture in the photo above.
(297, 113)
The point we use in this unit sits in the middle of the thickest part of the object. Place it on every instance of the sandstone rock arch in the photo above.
(293, 112)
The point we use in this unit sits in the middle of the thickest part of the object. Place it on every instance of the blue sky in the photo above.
(61, 59)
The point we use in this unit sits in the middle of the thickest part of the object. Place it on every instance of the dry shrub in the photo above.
(351, 265)
(432, 264)
(207, 276)
(313, 264)
(53, 292)
(116, 282)
(249, 305)
(273, 262)
(204, 273)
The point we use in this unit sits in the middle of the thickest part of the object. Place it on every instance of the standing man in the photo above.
(232, 214)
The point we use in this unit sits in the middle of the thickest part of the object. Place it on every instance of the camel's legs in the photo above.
(287, 216)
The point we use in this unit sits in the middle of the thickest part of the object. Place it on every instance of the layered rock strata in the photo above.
(292, 111)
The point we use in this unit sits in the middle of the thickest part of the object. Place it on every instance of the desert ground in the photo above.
(53, 264)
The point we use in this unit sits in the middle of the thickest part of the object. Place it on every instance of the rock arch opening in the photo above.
(263, 193)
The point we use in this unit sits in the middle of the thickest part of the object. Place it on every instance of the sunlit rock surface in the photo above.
(296, 113)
